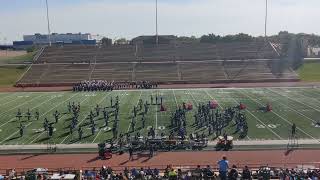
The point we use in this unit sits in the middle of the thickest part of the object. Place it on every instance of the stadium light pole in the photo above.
(265, 20)
(157, 37)
(48, 21)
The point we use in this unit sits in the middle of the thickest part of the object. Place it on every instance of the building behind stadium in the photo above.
(43, 39)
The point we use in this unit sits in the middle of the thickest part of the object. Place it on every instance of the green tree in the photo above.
(121, 41)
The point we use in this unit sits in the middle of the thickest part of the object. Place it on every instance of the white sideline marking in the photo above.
(175, 98)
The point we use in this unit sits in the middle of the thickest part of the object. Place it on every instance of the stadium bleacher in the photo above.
(165, 63)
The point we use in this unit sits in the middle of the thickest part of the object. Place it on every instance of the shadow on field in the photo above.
(43, 139)
(64, 134)
(29, 157)
(13, 138)
(93, 159)
(287, 152)
(77, 139)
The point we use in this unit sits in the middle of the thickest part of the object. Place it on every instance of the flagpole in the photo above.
(157, 37)
(265, 20)
(48, 21)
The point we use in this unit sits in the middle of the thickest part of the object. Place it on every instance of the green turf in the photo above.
(310, 72)
(290, 105)
(10, 74)
(18, 59)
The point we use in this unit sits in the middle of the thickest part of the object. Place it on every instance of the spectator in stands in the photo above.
(179, 175)
(149, 172)
(166, 171)
(246, 173)
(12, 174)
(126, 172)
(197, 172)
(208, 172)
(172, 174)
(134, 172)
(141, 173)
(223, 168)
(233, 174)
(156, 172)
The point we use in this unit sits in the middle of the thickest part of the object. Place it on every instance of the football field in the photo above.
(290, 105)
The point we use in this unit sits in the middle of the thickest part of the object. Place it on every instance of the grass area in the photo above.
(290, 105)
(10, 74)
(18, 59)
(310, 72)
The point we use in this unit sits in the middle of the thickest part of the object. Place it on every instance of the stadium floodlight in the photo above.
(48, 21)
(157, 37)
(265, 20)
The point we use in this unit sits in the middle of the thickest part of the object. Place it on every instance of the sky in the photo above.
(130, 18)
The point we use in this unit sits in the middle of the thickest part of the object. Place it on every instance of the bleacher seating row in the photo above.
(175, 72)
(156, 53)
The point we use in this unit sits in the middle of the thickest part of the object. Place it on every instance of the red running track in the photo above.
(277, 158)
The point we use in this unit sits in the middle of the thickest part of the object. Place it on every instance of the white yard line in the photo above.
(156, 123)
(175, 98)
(284, 119)
(132, 109)
(293, 99)
(101, 129)
(48, 112)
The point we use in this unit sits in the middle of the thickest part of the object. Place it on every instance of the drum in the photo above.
(229, 140)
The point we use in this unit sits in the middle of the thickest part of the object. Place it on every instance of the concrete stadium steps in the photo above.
(171, 63)
(68, 54)
(158, 53)
(33, 75)
(56, 73)
(183, 72)
(125, 53)
(113, 71)
(162, 72)
(202, 72)
(251, 70)
(66, 73)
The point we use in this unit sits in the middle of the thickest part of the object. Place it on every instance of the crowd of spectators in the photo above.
(102, 85)
(222, 172)
(204, 173)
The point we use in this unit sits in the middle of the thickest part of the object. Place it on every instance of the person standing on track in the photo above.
(130, 153)
(223, 168)
(293, 130)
